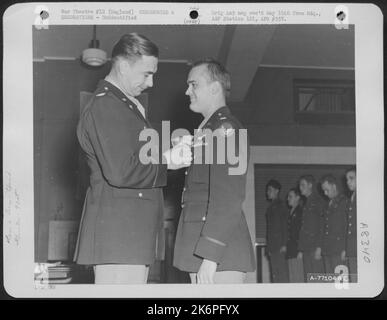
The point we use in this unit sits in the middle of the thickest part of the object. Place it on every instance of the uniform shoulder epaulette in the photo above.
(102, 92)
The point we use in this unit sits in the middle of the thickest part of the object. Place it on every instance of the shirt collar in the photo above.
(113, 87)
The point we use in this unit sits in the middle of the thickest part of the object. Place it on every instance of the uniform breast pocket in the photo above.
(194, 212)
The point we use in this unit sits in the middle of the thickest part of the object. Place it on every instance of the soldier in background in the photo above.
(276, 216)
(310, 240)
(350, 247)
(334, 239)
(295, 202)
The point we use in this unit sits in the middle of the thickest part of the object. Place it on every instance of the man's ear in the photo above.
(216, 87)
(123, 66)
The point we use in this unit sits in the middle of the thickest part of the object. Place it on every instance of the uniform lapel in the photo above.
(133, 106)
(222, 111)
(120, 95)
(209, 123)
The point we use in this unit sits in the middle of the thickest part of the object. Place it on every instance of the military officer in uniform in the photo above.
(351, 247)
(295, 202)
(333, 245)
(123, 208)
(213, 242)
(276, 217)
(310, 239)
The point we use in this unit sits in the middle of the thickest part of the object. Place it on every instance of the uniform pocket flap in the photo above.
(194, 212)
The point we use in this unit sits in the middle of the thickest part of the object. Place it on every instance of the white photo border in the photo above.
(18, 22)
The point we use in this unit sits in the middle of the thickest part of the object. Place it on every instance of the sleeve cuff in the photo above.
(210, 249)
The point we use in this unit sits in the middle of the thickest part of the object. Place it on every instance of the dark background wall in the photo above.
(57, 87)
(269, 113)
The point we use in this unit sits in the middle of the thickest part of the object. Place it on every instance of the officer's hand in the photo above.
(343, 257)
(283, 249)
(299, 255)
(317, 254)
(206, 272)
(187, 139)
(179, 156)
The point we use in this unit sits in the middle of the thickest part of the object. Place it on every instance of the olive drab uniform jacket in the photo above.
(351, 247)
(124, 204)
(312, 225)
(335, 227)
(276, 226)
(294, 227)
(212, 224)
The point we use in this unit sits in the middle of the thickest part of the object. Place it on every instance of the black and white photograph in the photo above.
(129, 186)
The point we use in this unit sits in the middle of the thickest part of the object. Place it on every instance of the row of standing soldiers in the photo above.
(314, 238)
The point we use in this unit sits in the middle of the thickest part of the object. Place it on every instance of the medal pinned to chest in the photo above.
(226, 130)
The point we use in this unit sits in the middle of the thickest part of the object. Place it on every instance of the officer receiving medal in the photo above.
(213, 242)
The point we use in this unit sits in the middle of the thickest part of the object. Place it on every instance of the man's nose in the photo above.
(188, 91)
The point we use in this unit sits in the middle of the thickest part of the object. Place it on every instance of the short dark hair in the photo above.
(132, 46)
(330, 179)
(296, 191)
(216, 72)
(274, 184)
(351, 169)
(308, 178)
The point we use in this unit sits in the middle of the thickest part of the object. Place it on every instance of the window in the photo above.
(324, 101)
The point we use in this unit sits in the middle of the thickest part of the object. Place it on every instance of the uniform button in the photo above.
(349, 232)
(184, 188)
(106, 88)
(123, 99)
(140, 194)
(326, 232)
(182, 205)
(186, 172)
(350, 224)
(204, 219)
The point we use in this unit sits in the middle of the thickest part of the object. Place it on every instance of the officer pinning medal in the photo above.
(123, 209)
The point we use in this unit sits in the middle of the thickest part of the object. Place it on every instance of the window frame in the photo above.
(322, 118)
